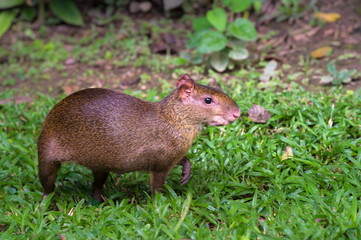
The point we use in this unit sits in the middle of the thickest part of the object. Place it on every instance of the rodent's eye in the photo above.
(208, 100)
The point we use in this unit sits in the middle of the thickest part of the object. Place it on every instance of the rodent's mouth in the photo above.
(218, 124)
(222, 120)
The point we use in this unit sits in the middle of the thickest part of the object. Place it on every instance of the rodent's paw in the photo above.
(185, 178)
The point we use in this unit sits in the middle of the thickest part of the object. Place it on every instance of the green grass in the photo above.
(240, 186)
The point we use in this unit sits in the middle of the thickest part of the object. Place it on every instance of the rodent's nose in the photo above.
(236, 113)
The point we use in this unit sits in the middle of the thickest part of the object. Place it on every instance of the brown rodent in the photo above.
(109, 131)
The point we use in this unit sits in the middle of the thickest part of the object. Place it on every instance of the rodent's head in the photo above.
(210, 106)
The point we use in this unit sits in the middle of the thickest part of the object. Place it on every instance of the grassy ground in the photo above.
(242, 186)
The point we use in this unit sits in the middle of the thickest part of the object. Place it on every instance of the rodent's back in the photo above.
(94, 109)
(96, 128)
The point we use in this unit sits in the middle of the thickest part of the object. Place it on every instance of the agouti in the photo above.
(109, 131)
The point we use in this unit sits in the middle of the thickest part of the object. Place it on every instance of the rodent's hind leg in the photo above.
(186, 173)
(99, 180)
(157, 180)
(47, 174)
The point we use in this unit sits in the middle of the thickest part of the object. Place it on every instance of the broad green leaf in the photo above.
(67, 11)
(200, 24)
(184, 58)
(219, 61)
(211, 41)
(226, 2)
(218, 18)
(331, 68)
(179, 61)
(6, 17)
(237, 6)
(345, 75)
(195, 38)
(238, 53)
(185, 55)
(197, 59)
(243, 29)
(10, 3)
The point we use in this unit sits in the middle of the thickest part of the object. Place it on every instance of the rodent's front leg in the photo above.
(186, 173)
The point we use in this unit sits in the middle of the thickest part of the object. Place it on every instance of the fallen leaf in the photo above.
(321, 52)
(269, 10)
(329, 32)
(313, 31)
(70, 61)
(327, 17)
(287, 154)
(258, 114)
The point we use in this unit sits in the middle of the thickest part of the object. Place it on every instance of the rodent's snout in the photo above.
(236, 113)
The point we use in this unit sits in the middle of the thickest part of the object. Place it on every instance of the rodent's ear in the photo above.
(182, 79)
(185, 88)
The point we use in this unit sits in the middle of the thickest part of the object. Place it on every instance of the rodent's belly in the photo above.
(108, 163)
(99, 159)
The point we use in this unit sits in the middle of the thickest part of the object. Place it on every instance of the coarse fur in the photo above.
(109, 131)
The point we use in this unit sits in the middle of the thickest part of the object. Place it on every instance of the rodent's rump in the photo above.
(108, 131)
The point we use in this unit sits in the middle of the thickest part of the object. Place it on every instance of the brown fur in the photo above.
(108, 131)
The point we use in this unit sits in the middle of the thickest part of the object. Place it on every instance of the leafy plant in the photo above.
(6, 17)
(66, 10)
(292, 10)
(289, 9)
(221, 38)
(337, 78)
